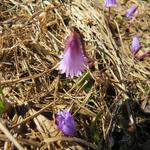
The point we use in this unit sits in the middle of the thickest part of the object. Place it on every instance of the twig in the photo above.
(10, 137)
(73, 139)
(31, 117)
(21, 140)
(6, 82)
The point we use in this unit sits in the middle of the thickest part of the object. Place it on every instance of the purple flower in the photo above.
(110, 3)
(73, 61)
(131, 11)
(135, 46)
(66, 123)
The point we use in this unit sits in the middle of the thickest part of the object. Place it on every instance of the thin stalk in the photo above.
(10, 137)
(109, 14)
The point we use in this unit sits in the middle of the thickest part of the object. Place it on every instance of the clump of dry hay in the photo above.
(31, 39)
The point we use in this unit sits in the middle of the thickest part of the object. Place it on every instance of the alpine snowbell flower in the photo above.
(110, 3)
(73, 61)
(135, 46)
(66, 123)
(131, 12)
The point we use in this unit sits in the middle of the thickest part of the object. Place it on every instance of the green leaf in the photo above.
(2, 105)
(85, 81)
(95, 135)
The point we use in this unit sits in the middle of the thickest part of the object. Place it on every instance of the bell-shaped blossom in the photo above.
(135, 46)
(110, 3)
(66, 123)
(73, 61)
(131, 12)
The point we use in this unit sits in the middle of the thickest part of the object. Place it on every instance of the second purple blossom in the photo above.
(66, 123)
(110, 3)
(130, 13)
(135, 46)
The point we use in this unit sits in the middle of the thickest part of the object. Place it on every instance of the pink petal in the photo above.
(73, 60)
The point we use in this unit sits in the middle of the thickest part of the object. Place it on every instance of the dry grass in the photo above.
(32, 37)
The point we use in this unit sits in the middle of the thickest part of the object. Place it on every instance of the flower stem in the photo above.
(109, 15)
